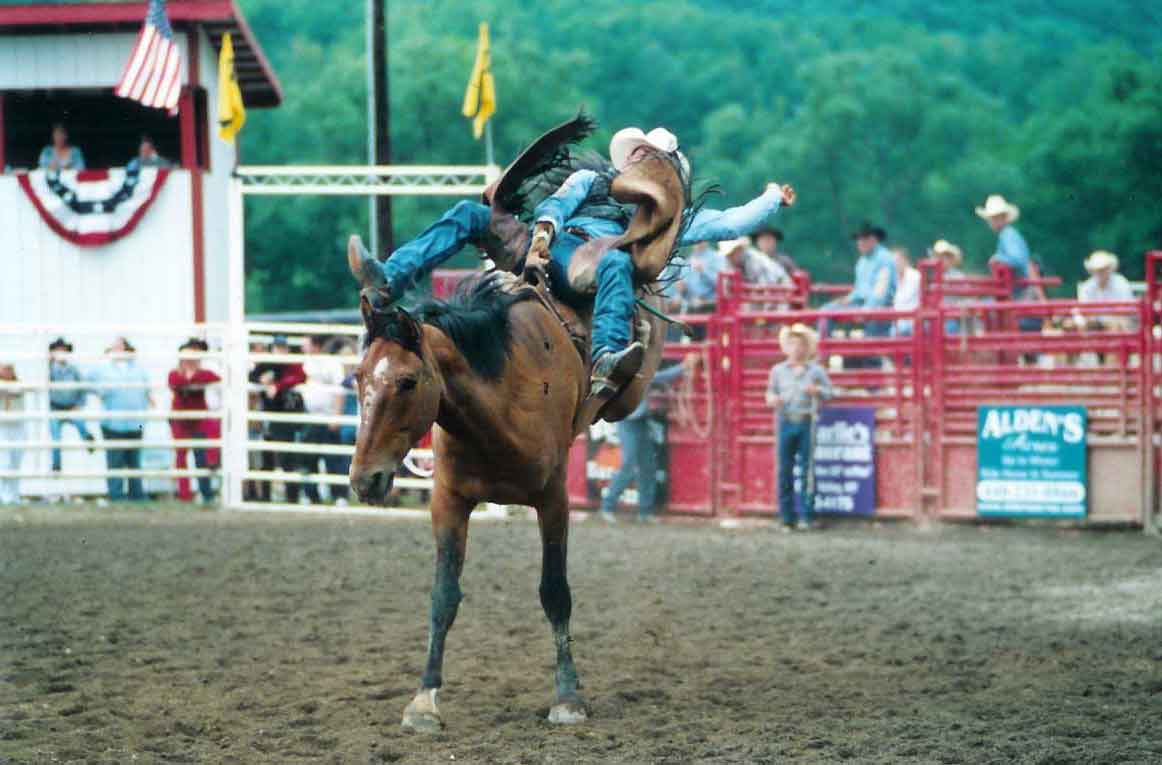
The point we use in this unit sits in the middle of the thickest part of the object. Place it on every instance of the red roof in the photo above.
(260, 86)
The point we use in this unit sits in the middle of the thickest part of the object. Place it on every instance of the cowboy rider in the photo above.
(581, 209)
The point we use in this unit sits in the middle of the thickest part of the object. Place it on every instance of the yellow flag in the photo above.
(231, 111)
(480, 97)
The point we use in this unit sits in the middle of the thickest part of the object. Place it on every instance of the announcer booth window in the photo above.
(107, 129)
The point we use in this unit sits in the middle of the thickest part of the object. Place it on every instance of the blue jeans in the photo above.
(794, 443)
(123, 459)
(639, 459)
(54, 429)
(466, 221)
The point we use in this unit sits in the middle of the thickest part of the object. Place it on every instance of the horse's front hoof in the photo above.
(568, 713)
(422, 715)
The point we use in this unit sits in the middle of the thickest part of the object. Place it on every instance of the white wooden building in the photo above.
(59, 63)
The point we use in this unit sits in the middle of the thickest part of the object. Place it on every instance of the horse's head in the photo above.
(399, 396)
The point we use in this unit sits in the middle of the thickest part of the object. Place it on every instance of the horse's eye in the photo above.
(406, 384)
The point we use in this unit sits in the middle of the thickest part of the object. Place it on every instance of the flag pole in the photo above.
(370, 23)
(488, 156)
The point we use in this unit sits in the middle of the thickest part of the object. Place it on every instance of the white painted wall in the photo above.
(91, 60)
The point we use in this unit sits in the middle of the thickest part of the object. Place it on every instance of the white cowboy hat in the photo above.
(945, 248)
(801, 330)
(1100, 260)
(727, 246)
(627, 139)
(998, 205)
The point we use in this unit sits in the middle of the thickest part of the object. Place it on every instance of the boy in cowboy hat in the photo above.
(60, 370)
(580, 210)
(950, 257)
(794, 389)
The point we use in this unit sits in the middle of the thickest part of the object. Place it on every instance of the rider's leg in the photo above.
(460, 225)
(613, 309)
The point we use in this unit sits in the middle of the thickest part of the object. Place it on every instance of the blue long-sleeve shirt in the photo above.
(1013, 251)
(135, 399)
(708, 225)
(875, 279)
(702, 284)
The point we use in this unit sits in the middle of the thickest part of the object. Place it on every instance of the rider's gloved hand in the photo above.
(536, 269)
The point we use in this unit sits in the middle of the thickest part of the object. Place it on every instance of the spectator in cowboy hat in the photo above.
(189, 382)
(768, 240)
(60, 370)
(755, 267)
(875, 286)
(60, 155)
(123, 387)
(951, 257)
(1104, 285)
(1012, 251)
(697, 289)
(794, 389)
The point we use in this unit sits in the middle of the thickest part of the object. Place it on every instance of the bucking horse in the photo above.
(500, 374)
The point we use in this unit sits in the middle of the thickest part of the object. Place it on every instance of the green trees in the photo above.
(907, 114)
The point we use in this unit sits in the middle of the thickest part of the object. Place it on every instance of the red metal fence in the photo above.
(970, 345)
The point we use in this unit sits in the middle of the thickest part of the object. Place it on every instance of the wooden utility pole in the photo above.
(379, 121)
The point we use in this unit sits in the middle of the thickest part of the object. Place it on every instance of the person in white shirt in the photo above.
(323, 394)
(1104, 285)
(907, 296)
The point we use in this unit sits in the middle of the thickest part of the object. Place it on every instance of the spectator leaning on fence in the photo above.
(754, 266)
(65, 399)
(1104, 285)
(189, 383)
(795, 388)
(279, 394)
(907, 290)
(60, 154)
(639, 451)
(951, 258)
(323, 395)
(768, 239)
(123, 386)
(12, 431)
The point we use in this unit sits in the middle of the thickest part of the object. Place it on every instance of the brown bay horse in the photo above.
(495, 375)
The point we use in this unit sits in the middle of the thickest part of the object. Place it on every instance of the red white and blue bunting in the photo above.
(93, 207)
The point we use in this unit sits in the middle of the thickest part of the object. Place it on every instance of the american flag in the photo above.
(153, 72)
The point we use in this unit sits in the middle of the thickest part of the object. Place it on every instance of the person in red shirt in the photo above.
(188, 383)
(278, 392)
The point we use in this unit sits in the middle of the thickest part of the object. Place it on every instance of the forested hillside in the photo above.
(904, 112)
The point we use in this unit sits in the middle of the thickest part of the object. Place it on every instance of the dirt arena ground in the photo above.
(189, 637)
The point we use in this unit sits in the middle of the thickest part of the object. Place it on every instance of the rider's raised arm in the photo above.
(557, 208)
(719, 225)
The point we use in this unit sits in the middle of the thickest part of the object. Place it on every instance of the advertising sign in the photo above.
(1031, 461)
(845, 466)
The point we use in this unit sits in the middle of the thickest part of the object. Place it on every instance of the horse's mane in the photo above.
(475, 318)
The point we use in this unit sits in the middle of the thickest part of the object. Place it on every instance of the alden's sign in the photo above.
(1031, 461)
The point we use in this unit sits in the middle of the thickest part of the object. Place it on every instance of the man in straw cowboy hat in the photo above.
(754, 266)
(1012, 251)
(951, 257)
(794, 388)
(1104, 285)
(580, 210)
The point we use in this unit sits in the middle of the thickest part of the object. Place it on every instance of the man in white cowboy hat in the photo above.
(580, 210)
(562, 225)
(755, 267)
(794, 389)
(1012, 250)
(1104, 285)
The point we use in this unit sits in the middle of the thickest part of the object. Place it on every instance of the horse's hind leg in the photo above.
(553, 516)
(450, 528)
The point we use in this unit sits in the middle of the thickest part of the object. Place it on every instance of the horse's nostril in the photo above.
(372, 485)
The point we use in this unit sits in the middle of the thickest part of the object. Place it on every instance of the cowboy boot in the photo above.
(613, 370)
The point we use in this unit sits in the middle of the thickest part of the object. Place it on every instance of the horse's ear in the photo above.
(410, 332)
